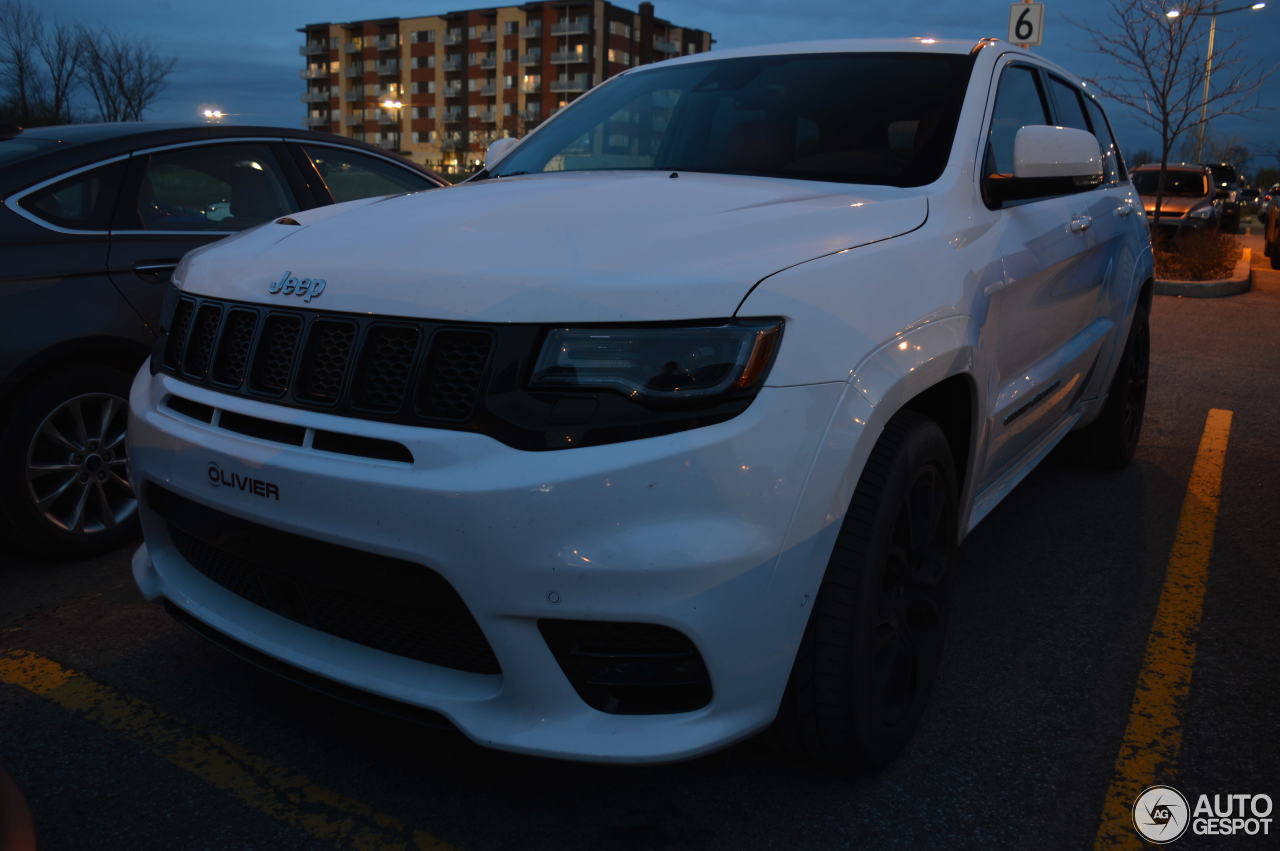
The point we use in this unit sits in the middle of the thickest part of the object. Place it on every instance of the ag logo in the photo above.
(1161, 814)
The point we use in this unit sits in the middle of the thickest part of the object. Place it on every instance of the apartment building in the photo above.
(463, 79)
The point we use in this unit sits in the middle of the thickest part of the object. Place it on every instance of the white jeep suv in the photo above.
(666, 427)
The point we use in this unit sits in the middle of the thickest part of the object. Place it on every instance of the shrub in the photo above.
(1200, 255)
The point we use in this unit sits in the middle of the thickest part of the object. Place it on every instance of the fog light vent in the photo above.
(629, 668)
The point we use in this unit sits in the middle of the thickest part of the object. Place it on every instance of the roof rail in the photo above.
(983, 42)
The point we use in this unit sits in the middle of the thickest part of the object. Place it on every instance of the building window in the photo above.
(510, 28)
(431, 112)
(621, 57)
(509, 55)
(473, 85)
(509, 81)
(472, 110)
(619, 28)
(508, 108)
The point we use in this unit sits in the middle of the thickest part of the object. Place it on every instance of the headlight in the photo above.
(1201, 213)
(659, 364)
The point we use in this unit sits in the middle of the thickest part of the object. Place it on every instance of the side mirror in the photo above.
(1048, 161)
(498, 150)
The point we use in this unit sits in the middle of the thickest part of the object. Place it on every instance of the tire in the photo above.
(871, 650)
(64, 490)
(1108, 443)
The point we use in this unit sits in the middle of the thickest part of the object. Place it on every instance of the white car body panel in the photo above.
(722, 532)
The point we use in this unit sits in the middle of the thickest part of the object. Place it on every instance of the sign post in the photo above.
(1026, 23)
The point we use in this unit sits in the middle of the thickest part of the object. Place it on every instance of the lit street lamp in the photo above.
(1208, 63)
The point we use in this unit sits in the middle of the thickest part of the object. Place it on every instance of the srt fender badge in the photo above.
(305, 288)
(220, 478)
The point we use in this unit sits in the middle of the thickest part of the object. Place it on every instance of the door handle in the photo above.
(155, 271)
(1124, 209)
(1080, 223)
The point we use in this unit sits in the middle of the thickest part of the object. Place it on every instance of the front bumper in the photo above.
(683, 531)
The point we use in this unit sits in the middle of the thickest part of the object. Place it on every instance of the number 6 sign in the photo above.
(1026, 23)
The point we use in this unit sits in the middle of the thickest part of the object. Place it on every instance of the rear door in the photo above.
(1040, 336)
(181, 197)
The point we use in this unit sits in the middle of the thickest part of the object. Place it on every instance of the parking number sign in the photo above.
(1026, 23)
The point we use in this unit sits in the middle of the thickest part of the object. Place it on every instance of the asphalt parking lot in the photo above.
(1111, 631)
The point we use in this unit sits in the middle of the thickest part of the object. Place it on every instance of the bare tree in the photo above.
(1162, 70)
(20, 28)
(59, 47)
(124, 75)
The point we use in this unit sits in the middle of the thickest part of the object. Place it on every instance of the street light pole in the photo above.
(1208, 62)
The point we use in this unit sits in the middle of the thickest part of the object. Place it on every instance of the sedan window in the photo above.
(81, 202)
(212, 187)
(351, 176)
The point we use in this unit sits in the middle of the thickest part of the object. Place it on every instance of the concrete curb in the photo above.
(1241, 281)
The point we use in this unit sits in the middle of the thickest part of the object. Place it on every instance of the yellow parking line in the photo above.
(1153, 736)
(268, 788)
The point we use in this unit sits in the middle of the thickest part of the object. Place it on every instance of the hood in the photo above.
(553, 248)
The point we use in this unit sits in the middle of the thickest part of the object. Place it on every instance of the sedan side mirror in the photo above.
(498, 151)
(1048, 161)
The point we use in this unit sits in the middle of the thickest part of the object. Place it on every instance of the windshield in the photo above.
(879, 118)
(1187, 184)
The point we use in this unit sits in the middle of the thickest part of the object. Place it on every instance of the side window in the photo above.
(1019, 103)
(1066, 101)
(1111, 158)
(81, 202)
(212, 187)
(350, 175)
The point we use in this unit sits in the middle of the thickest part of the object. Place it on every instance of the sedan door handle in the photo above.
(1124, 209)
(1080, 223)
(155, 271)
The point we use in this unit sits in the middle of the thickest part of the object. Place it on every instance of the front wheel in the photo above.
(874, 641)
(64, 486)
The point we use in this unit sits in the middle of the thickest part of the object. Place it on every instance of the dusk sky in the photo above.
(242, 55)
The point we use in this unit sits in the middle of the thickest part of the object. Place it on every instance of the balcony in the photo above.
(489, 115)
(389, 143)
(355, 69)
(314, 72)
(533, 30)
(533, 57)
(489, 61)
(453, 37)
(569, 57)
(452, 145)
(531, 88)
(386, 42)
(453, 115)
(581, 26)
(576, 83)
(354, 94)
(530, 116)
(388, 66)
(314, 120)
(354, 119)
(389, 116)
(316, 96)
(453, 90)
(452, 63)
(354, 46)
(488, 89)
(313, 48)
(665, 46)
(488, 34)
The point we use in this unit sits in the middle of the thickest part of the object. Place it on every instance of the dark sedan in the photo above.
(93, 219)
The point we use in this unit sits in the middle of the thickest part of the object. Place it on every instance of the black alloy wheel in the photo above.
(875, 638)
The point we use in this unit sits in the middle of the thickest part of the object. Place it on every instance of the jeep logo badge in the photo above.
(305, 288)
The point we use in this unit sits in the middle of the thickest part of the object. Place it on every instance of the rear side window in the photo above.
(1111, 159)
(81, 202)
(350, 175)
(1019, 103)
(212, 187)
